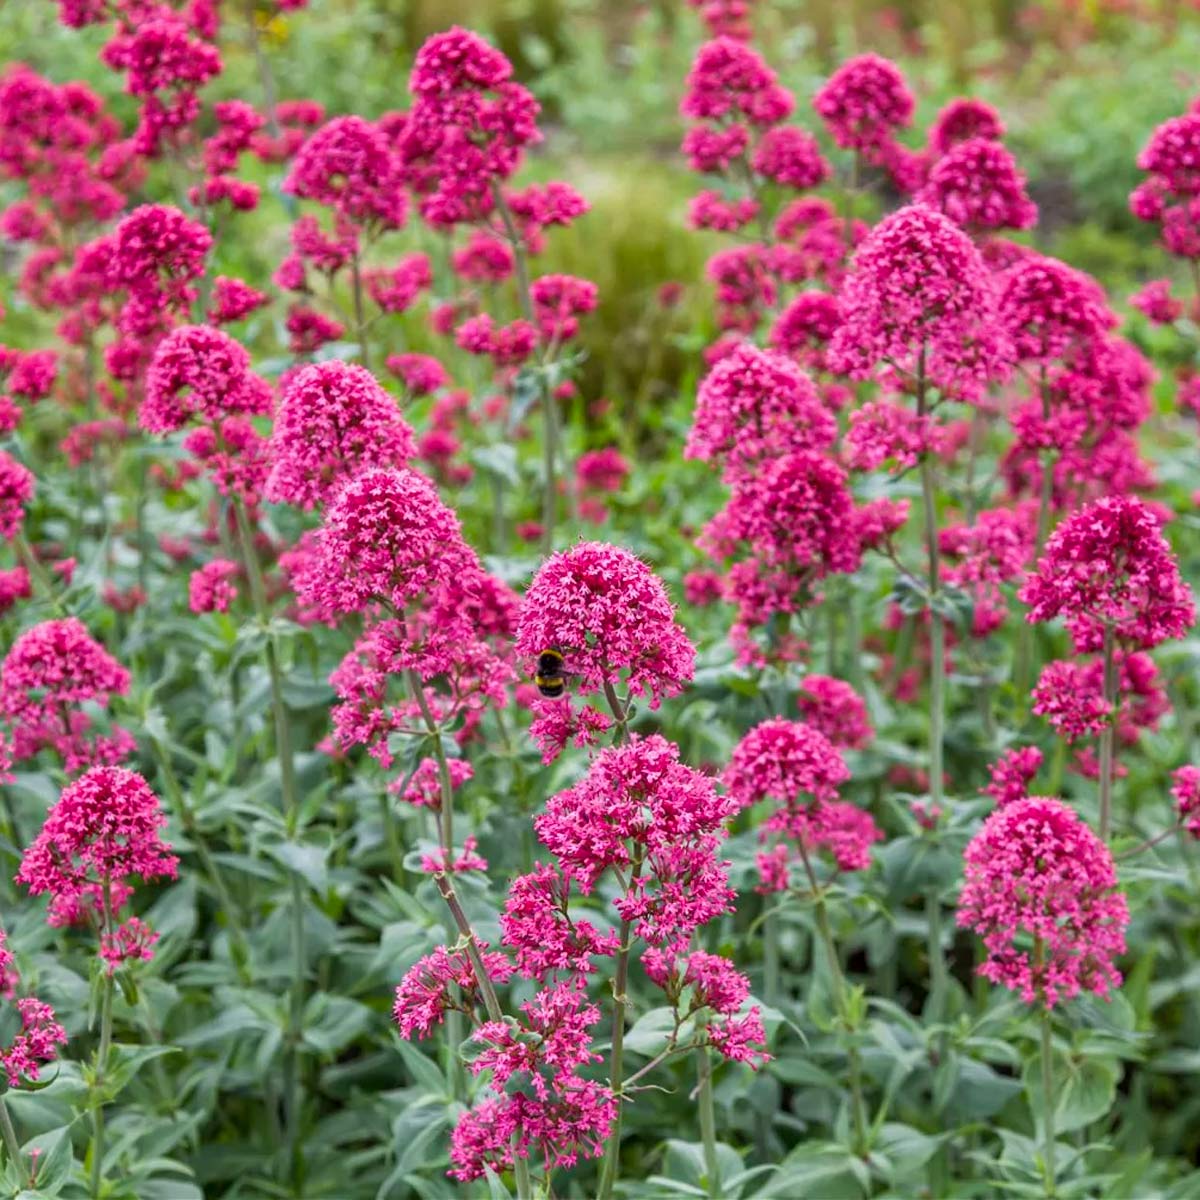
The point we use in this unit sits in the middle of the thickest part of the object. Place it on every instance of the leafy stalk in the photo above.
(291, 813)
(12, 1145)
(612, 1152)
(840, 999)
(1108, 735)
(708, 1123)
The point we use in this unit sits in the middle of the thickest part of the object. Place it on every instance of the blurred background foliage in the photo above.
(1079, 83)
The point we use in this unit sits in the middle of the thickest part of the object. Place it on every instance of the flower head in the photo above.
(1012, 774)
(1048, 308)
(386, 537)
(35, 1044)
(1036, 872)
(835, 709)
(200, 373)
(210, 589)
(468, 126)
(754, 405)
(442, 981)
(349, 166)
(1173, 154)
(104, 827)
(786, 761)
(919, 299)
(1108, 566)
(864, 102)
(1186, 791)
(641, 811)
(16, 491)
(728, 79)
(961, 120)
(977, 185)
(607, 613)
(334, 420)
(49, 673)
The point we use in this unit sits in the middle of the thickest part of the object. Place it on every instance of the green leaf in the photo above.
(825, 1169)
(1083, 1089)
(906, 1149)
(125, 1061)
(426, 1074)
(500, 461)
(650, 1032)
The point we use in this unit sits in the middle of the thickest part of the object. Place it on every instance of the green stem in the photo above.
(360, 324)
(454, 1031)
(13, 1145)
(612, 1152)
(708, 1123)
(38, 577)
(1108, 736)
(1048, 1102)
(191, 828)
(858, 1109)
(491, 1002)
(937, 640)
(291, 813)
(106, 1024)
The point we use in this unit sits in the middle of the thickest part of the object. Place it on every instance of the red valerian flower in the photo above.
(16, 491)
(660, 823)
(334, 420)
(1108, 566)
(103, 828)
(864, 102)
(754, 405)
(919, 300)
(607, 613)
(1036, 873)
(348, 165)
(49, 673)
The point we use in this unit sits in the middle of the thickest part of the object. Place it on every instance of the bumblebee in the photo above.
(551, 677)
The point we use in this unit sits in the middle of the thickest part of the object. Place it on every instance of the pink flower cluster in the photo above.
(1108, 567)
(49, 673)
(710, 982)
(609, 616)
(544, 1105)
(797, 767)
(1186, 791)
(40, 1033)
(210, 589)
(102, 831)
(753, 406)
(920, 302)
(863, 104)
(1170, 195)
(333, 421)
(1036, 872)
(467, 128)
(977, 185)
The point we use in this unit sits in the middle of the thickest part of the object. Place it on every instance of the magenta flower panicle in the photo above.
(919, 300)
(1108, 566)
(1036, 872)
(333, 421)
(609, 616)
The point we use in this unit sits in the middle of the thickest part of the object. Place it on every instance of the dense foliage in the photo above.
(446, 749)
